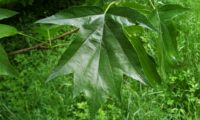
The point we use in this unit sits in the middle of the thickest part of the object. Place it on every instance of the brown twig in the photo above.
(43, 43)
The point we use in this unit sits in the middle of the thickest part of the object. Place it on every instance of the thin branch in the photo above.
(40, 45)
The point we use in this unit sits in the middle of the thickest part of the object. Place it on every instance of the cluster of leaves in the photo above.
(103, 54)
(109, 46)
(5, 31)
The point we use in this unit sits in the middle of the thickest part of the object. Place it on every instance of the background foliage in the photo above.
(30, 97)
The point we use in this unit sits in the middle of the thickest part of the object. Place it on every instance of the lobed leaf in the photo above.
(102, 54)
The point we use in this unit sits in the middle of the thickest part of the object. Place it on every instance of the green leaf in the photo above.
(102, 54)
(169, 35)
(167, 47)
(5, 67)
(147, 63)
(136, 6)
(166, 50)
(95, 2)
(170, 11)
(7, 30)
(5, 13)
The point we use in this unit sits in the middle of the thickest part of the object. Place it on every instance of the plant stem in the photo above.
(40, 45)
(25, 35)
(49, 37)
(112, 3)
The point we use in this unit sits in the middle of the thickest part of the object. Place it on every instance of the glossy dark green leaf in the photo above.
(102, 54)
(7, 30)
(148, 65)
(5, 13)
(5, 67)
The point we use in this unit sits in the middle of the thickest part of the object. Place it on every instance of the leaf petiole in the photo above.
(112, 3)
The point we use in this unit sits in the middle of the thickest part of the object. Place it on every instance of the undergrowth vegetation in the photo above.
(30, 96)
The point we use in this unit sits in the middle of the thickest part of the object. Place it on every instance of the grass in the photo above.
(29, 97)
